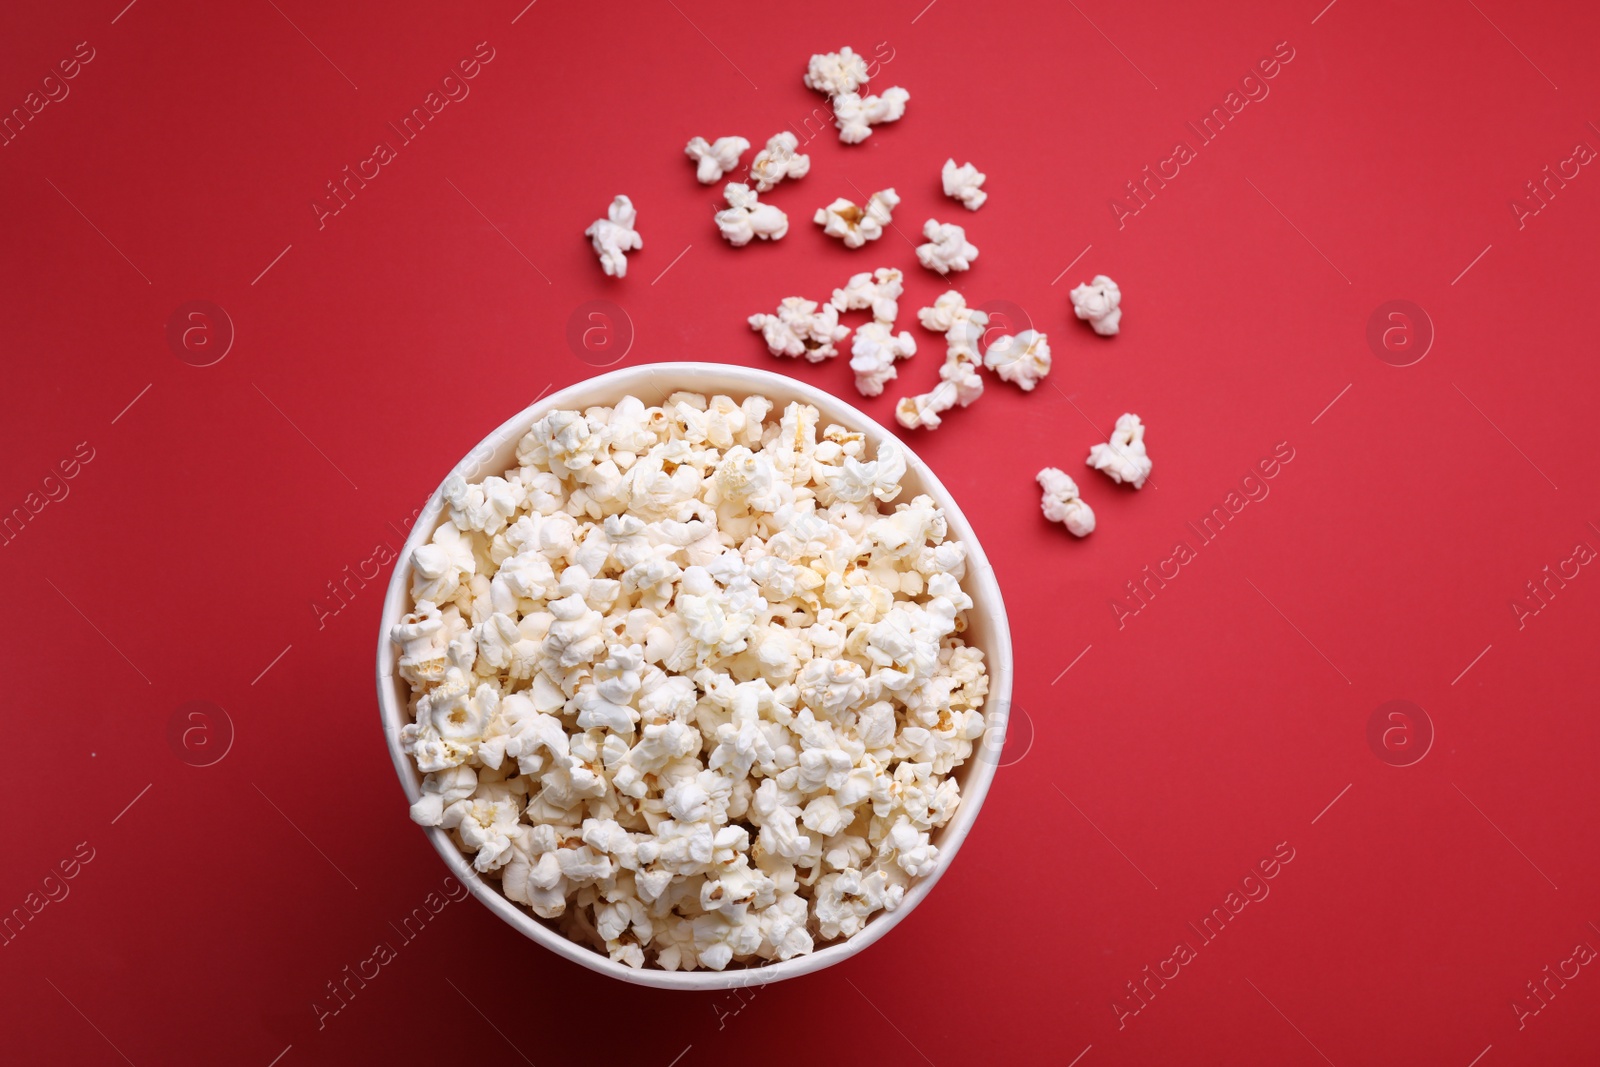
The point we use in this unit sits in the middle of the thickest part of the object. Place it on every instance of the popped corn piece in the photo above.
(441, 789)
(947, 249)
(839, 475)
(1099, 302)
(878, 290)
(1060, 502)
(780, 159)
(485, 823)
(964, 183)
(783, 928)
(855, 225)
(910, 848)
(484, 507)
(948, 310)
(801, 328)
(746, 217)
(423, 644)
(855, 115)
(963, 327)
(832, 73)
(873, 354)
(615, 235)
(847, 899)
(958, 384)
(1123, 457)
(1023, 358)
(715, 159)
(439, 567)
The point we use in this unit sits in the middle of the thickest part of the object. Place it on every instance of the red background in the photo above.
(1218, 722)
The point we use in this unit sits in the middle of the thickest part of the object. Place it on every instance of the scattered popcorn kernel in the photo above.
(714, 160)
(878, 290)
(832, 73)
(746, 217)
(854, 225)
(1124, 457)
(1023, 359)
(780, 159)
(873, 354)
(947, 249)
(855, 115)
(1060, 502)
(964, 183)
(614, 235)
(1100, 302)
(958, 384)
(963, 327)
(802, 328)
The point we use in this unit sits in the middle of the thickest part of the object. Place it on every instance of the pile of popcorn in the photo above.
(689, 683)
